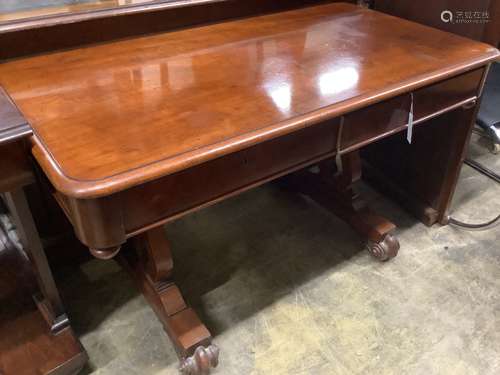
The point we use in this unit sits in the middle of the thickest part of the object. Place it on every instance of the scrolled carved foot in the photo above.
(200, 363)
(384, 250)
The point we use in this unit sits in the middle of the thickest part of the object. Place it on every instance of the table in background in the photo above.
(35, 335)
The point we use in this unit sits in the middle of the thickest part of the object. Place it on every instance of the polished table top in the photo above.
(112, 116)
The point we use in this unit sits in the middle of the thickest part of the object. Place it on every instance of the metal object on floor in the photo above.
(481, 226)
(482, 169)
(488, 117)
(488, 120)
(492, 134)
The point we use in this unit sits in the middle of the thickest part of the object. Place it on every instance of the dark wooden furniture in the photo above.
(479, 20)
(26, 36)
(135, 133)
(35, 335)
(22, 11)
(475, 19)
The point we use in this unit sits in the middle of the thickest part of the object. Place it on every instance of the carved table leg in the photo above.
(151, 266)
(335, 192)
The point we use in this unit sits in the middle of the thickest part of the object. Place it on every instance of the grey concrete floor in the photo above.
(286, 288)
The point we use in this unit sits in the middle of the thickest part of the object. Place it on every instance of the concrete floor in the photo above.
(286, 288)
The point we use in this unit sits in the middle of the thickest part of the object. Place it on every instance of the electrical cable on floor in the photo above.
(481, 226)
(482, 169)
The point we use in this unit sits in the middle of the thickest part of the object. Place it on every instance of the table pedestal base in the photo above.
(151, 265)
(335, 192)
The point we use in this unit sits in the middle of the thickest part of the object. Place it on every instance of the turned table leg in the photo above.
(151, 265)
(335, 192)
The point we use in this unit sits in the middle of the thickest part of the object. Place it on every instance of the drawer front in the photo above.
(442, 95)
(202, 184)
(369, 123)
(376, 121)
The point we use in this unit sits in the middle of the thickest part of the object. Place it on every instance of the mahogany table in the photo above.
(135, 133)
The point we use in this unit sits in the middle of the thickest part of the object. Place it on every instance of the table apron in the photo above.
(109, 221)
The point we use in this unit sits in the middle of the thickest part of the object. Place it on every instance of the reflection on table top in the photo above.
(151, 105)
(14, 10)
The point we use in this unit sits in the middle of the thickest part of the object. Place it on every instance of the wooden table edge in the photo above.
(95, 188)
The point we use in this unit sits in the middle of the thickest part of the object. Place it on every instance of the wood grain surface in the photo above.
(113, 116)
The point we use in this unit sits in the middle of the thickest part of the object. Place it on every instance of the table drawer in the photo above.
(210, 181)
(379, 120)
(435, 98)
(367, 124)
